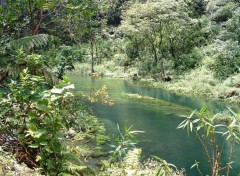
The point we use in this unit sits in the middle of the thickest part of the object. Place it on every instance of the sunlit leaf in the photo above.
(34, 146)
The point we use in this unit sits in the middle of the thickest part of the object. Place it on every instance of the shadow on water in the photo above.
(161, 137)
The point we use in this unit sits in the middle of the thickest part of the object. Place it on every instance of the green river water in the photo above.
(161, 138)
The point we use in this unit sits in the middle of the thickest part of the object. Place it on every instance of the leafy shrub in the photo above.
(81, 69)
(132, 50)
(223, 13)
(33, 120)
(108, 47)
(188, 61)
(100, 96)
(147, 67)
(65, 56)
(227, 59)
(120, 59)
(105, 48)
(131, 165)
(123, 142)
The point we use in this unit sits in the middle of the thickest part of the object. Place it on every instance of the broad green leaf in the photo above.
(43, 107)
(32, 114)
(57, 91)
(43, 143)
(35, 98)
(21, 136)
(39, 133)
(60, 134)
(31, 125)
(34, 145)
(47, 148)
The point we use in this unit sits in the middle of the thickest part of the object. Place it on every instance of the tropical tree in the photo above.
(166, 27)
(84, 21)
(21, 44)
(223, 28)
(22, 17)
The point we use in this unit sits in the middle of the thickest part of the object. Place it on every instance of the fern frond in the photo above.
(76, 169)
(74, 166)
(132, 159)
(71, 168)
(28, 43)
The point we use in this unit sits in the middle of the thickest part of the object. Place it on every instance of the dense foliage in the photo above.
(33, 121)
(156, 36)
(196, 43)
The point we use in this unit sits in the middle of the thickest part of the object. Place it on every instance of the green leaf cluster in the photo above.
(35, 119)
(207, 129)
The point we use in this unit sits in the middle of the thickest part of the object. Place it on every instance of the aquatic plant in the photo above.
(124, 141)
(203, 125)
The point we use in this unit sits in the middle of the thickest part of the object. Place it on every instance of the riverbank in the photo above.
(83, 139)
(199, 82)
(9, 166)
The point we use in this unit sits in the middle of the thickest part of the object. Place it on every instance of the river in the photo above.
(161, 137)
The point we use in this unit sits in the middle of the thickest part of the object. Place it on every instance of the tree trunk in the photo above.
(162, 70)
(3, 75)
(155, 55)
(96, 51)
(36, 28)
(154, 51)
(92, 58)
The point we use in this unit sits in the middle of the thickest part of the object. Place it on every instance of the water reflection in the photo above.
(160, 122)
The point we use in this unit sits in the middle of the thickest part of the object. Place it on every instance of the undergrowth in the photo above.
(131, 166)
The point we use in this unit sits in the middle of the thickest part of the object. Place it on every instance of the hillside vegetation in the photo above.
(184, 46)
